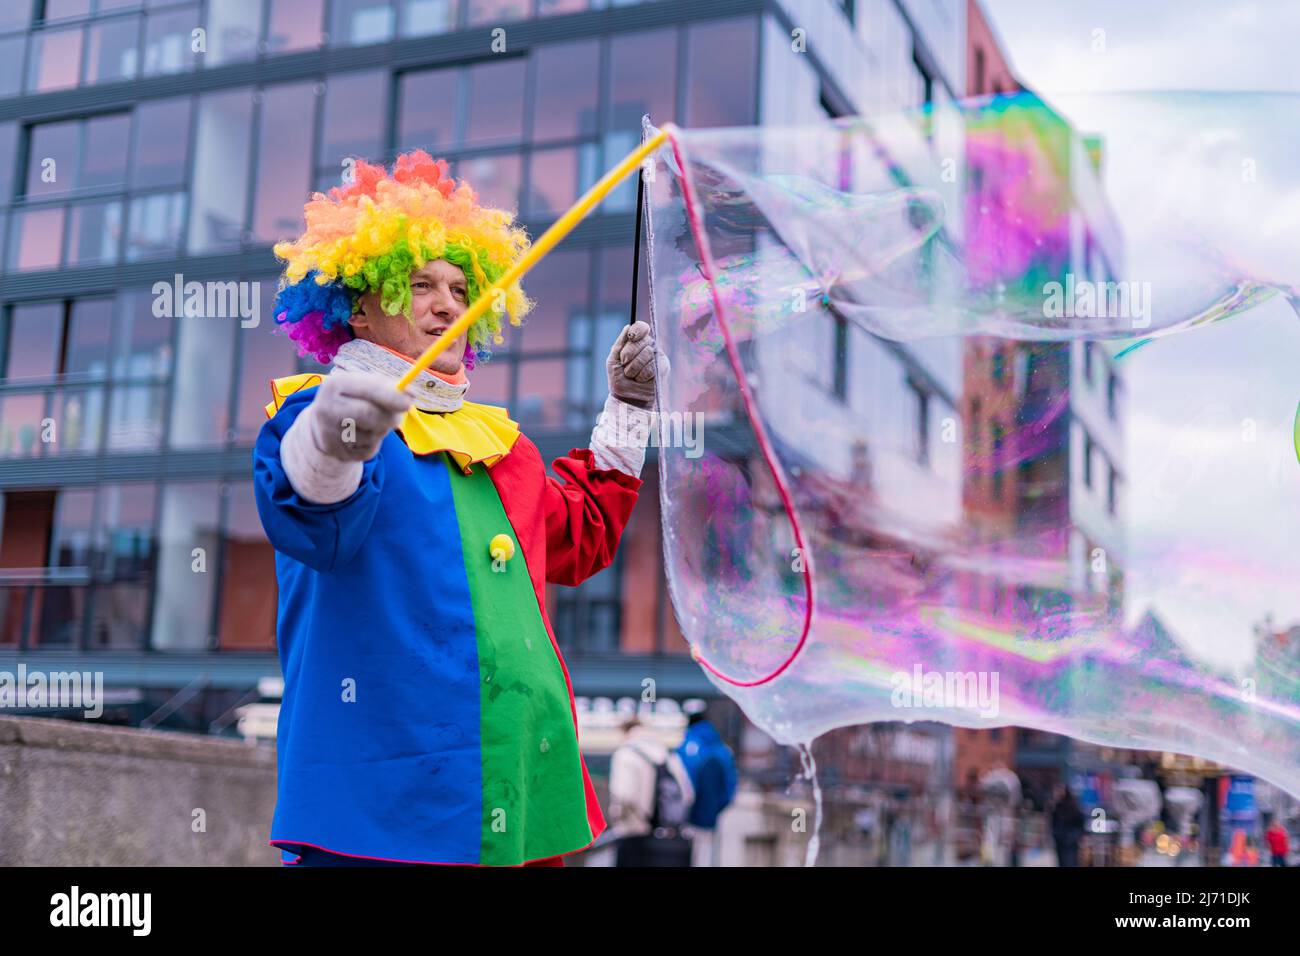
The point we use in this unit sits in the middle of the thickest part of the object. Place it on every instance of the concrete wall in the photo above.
(73, 793)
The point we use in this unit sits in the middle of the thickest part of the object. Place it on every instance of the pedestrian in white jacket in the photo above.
(632, 779)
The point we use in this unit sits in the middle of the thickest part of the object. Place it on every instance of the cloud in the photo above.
(1153, 45)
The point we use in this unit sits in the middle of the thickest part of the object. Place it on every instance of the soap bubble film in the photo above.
(909, 341)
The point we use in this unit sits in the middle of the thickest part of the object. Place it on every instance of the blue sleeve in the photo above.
(323, 537)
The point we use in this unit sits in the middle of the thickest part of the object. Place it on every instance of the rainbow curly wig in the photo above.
(371, 234)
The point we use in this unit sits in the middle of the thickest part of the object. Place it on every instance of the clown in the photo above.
(427, 716)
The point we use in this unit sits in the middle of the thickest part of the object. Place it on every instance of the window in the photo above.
(495, 11)
(89, 339)
(155, 226)
(200, 403)
(248, 585)
(540, 395)
(353, 123)
(32, 350)
(426, 117)
(36, 238)
(587, 618)
(64, 9)
(1087, 362)
(79, 42)
(495, 103)
(294, 25)
(87, 160)
(168, 45)
(496, 178)
(264, 354)
(1112, 490)
(46, 614)
(557, 177)
(124, 542)
(112, 50)
(94, 233)
(425, 17)
(63, 158)
(70, 540)
(52, 154)
(553, 348)
(642, 79)
(721, 81)
(15, 16)
(561, 292)
(123, 557)
(183, 605)
(53, 58)
(219, 186)
(79, 407)
(232, 31)
(566, 88)
(162, 135)
(140, 371)
(11, 64)
(135, 418)
(1087, 460)
(284, 166)
(492, 382)
(144, 351)
(1112, 396)
(358, 22)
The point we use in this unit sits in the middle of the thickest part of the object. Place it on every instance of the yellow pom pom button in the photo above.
(501, 547)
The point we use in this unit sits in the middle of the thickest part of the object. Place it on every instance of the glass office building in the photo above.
(146, 144)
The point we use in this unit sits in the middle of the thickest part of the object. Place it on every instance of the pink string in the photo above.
(769, 458)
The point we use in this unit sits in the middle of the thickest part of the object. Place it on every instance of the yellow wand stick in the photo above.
(562, 227)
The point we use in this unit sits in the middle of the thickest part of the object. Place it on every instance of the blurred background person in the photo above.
(712, 769)
(1278, 843)
(650, 798)
(1067, 825)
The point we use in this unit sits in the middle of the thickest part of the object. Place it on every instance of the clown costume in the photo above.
(428, 715)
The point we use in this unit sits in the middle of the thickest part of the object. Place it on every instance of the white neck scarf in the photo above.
(431, 394)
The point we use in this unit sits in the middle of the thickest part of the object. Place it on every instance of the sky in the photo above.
(1212, 509)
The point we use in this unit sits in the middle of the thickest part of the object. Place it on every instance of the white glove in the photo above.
(632, 365)
(353, 412)
(324, 451)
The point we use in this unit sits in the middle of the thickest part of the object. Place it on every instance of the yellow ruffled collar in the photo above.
(472, 433)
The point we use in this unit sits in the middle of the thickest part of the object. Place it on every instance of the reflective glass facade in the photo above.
(128, 530)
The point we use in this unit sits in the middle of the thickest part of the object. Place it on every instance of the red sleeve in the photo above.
(586, 511)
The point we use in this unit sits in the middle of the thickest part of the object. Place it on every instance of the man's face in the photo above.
(439, 296)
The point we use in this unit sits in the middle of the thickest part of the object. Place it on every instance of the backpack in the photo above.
(669, 809)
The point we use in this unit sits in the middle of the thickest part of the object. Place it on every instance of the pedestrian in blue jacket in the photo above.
(712, 769)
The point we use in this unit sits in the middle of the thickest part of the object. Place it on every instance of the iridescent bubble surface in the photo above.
(909, 341)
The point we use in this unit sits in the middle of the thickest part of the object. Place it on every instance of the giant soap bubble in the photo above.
(907, 338)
